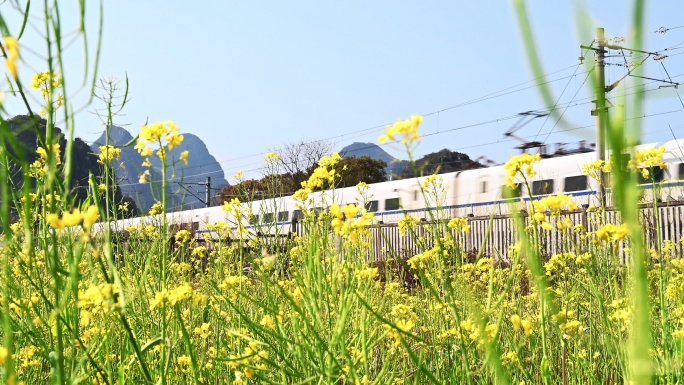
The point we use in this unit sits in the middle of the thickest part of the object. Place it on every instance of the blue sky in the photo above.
(250, 76)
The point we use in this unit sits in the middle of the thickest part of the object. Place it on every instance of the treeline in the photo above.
(299, 160)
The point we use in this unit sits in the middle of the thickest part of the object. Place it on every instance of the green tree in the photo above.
(352, 170)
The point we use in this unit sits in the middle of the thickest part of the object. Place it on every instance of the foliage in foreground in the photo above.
(77, 306)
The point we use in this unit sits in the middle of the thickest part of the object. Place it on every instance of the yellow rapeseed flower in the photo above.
(268, 322)
(90, 217)
(166, 135)
(611, 233)
(12, 52)
(108, 153)
(271, 157)
(184, 157)
(459, 224)
(174, 139)
(516, 321)
(521, 164)
(406, 223)
(527, 326)
(203, 331)
(144, 177)
(46, 81)
(404, 130)
(155, 209)
(3, 354)
(650, 157)
(593, 169)
(182, 236)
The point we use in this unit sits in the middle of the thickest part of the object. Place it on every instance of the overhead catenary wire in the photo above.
(480, 144)
(362, 132)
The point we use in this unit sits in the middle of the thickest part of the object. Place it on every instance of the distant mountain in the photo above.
(370, 150)
(182, 188)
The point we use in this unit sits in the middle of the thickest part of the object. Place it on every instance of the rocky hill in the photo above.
(182, 190)
(394, 166)
(27, 132)
(370, 150)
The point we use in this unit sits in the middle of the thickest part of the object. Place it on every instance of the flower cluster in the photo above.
(108, 153)
(566, 323)
(46, 82)
(271, 157)
(612, 233)
(521, 164)
(74, 218)
(404, 319)
(39, 167)
(645, 159)
(459, 225)
(593, 169)
(553, 204)
(406, 130)
(520, 323)
(183, 237)
(156, 209)
(407, 223)
(172, 296)
(98, 299)
(351, 221)
(649, 157)
(324, 173)
(420, 261)
(165, 135)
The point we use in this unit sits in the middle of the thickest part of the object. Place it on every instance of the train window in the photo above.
(297, 214)
(507, 192)
(483, 187)
(372, 206)
(541, 187)
(392, 204)
(283, 216)
(415, 195)
(318, 210)
(681, 171)
(575, 183)
(655, 174)
(267, 218)
(253, 219)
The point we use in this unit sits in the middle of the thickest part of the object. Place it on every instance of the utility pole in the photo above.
(601, 111)
(207, 192)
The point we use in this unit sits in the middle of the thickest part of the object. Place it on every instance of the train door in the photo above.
(453, 196)
(484, 188)
(412, 198)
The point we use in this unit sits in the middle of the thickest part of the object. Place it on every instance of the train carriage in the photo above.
(477, 192)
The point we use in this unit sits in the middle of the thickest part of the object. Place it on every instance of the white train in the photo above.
(464, 193)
